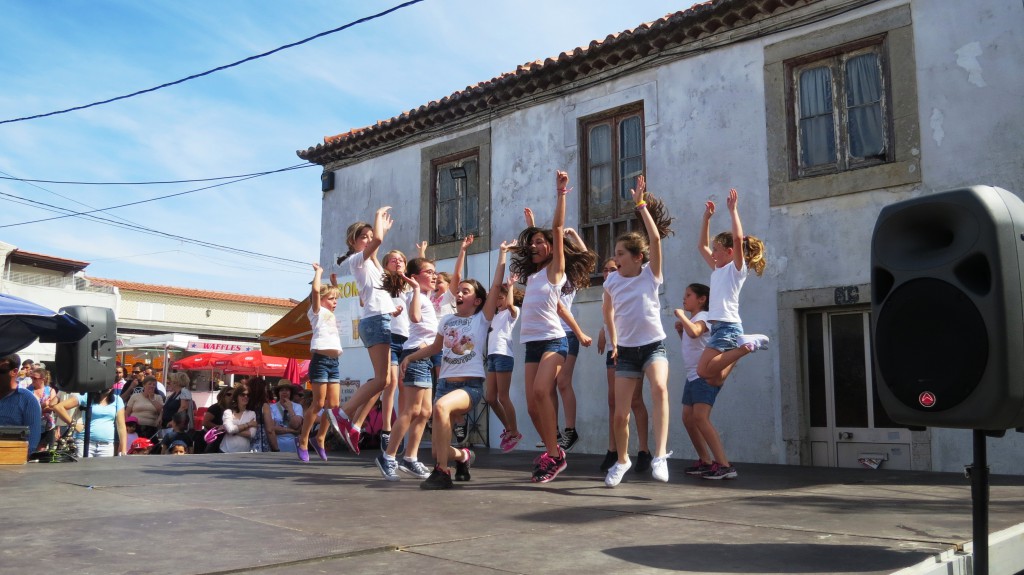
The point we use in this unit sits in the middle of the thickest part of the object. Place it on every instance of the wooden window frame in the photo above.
(441, 163)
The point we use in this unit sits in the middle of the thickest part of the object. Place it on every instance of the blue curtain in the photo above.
(864, 106)
(817, 127)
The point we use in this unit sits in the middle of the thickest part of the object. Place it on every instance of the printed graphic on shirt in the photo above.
(459, 343)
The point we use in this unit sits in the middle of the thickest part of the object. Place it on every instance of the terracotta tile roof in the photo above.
(46, 261)
(196, 293)
(616, 50)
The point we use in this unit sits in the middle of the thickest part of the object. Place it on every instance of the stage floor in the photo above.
(269, 513)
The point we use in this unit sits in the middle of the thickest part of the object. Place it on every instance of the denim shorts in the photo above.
(375, 330)
(573, 343)
(474, 387)
(417, 373)
(435, 360)
(699, 391)
(396, 347)
(632, 361)
(536, 349)
(498, 363)
(608, 361)
(324, 369)
(724, 335)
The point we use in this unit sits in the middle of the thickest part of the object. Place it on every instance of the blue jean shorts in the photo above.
(396, 347)
(536, 349)
(699, 391)
(435, 360)
(417, 373)
(324, 369)
(724, 335)
(498, 363)
(474, 387)
(375, 330)
(573, 343)
(608, 361)
(632, 361)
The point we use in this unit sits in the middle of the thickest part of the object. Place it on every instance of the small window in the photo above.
(456, 198)
(840, 103)
(612, 157)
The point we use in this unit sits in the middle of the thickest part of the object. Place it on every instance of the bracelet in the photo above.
(641, 204)
(564, 191)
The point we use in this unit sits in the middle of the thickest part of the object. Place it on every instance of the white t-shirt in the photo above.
(464, 344)
(422, 333)
(693, 347)
(567, 302)
(325, 330)
(400, 322)
(540, 309)
(499, 342)
(370, 279)
(724, 301)
(445, 306)
(637, 308)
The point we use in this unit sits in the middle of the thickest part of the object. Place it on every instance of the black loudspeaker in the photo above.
(947, 317)
(90, 363)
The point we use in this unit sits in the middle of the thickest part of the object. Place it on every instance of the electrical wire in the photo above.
(150, 183)
(219, 68)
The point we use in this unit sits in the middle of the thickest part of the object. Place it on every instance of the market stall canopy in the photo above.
(198, 361)
(291, 335)
(252, 363)
(22, 322)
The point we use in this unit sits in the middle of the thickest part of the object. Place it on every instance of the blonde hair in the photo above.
(328, 290)
(753, 250)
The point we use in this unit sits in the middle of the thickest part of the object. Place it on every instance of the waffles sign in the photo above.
(222, 346)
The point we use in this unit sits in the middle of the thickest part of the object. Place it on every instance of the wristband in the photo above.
(564, 191)
(641, 204)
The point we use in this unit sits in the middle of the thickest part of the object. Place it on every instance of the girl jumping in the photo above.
(500, 360)
(633, 320)
(324, 371)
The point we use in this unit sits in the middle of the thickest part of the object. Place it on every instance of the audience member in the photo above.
(147, 407)
(106, 424)
(284, 419)
(239, 423)
(18, 406)
(179, 399)
(47, 398)
(180, 430)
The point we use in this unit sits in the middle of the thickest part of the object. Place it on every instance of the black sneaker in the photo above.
(643, 461)
(462, 467)
(698, 468)
(609, 459)
(385, 439)
(568, 439)
(459, 431)
(439, 479)
(720, 472)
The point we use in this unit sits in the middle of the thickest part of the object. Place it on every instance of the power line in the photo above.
(129, 204)
(219, 68)
(150, 183)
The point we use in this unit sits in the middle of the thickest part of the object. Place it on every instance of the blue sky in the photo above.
(250, 118)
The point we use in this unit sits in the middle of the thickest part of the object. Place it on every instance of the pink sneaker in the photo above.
(510, 440)
(349, 434)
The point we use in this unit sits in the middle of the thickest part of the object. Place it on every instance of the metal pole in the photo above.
(979, 499)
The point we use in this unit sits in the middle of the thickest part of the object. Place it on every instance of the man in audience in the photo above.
(18, 406)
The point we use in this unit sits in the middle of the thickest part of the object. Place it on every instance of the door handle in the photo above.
(845, 435)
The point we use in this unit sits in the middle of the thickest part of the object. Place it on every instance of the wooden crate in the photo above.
(13, 452)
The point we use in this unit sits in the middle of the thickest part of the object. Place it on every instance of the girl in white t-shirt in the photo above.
(632, 316)
(374, 323)
(395, 263)
(698, 395)
(549, 267)
(500, 359)
(324, 368)
(461, 339)
(728, 343)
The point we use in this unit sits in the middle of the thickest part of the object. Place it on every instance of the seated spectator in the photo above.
(214, 419)
(284, 419)
(18, 406)
(239, 423)
(179, 431)
(147, 407)
(179, 399)
(131, 423)
(179, 447)
(141, 446)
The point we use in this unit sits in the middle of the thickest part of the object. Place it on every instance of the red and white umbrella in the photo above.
(252, 363)
(198, 361)
(296, 371)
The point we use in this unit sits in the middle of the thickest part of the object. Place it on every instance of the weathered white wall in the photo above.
(705, 133)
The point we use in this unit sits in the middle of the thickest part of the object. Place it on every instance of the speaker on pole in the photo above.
(90, 363)
(947, 311)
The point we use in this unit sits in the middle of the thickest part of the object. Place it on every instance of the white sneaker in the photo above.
(616, 472)
(659, 467)
(753, 341)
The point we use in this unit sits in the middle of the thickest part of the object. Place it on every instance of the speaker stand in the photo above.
(978, 472)
(90, 400)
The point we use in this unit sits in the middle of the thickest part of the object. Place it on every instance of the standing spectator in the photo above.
(18, 406)
(147, 407)
(107, 417)
(119, 380)
(47, 398)
(179, 398)
(24, 375)
(239, 423)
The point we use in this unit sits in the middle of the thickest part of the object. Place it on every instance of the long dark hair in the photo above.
(638, 242)
(579, 263)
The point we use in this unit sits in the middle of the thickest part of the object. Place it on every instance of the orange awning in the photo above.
(290, 336)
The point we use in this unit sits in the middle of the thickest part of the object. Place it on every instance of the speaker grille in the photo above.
(930, 339)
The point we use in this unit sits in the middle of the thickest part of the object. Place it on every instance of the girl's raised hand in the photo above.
(641, 188)
(562, 181)
(412, 282)
(528, 215)
(733, 200)
(421, 247)
(386, 220)
(709, 209)
(506, 246)
(467, 241)
(317, 268)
